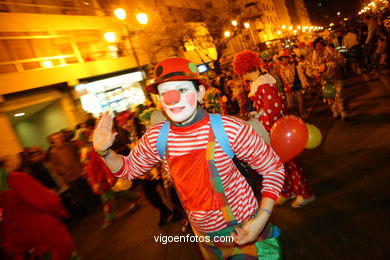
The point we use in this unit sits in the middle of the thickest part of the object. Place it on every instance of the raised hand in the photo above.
(103, 137)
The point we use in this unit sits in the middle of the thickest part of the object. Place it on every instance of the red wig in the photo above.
(246, 61)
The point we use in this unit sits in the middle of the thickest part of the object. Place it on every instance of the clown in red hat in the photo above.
(198, 149)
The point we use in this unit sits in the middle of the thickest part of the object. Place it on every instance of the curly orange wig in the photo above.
(246, 61)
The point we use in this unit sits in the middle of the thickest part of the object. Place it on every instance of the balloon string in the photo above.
(311, 107)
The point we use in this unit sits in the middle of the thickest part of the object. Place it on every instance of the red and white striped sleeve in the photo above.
(142, 158)
(251, 148)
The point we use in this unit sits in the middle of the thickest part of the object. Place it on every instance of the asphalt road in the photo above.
(349, 174)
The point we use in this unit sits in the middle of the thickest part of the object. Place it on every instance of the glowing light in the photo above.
(234, 23)
(338, 13)
(345, 19)
(290, 28)
(110, 36)
(19, 114)
(279, 32)
(298, 27)
(246, 25)
(142, 18)
(283, 27)
(47, 64)
(295, 31)
(227, 34)
(120, 13)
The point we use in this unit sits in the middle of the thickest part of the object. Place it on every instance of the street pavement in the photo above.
(349, 174)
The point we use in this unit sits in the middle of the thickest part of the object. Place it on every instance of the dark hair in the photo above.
(319, 40)
(367, 17)
(196, 84)
(90, 123)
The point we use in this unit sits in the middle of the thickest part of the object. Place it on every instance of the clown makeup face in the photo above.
(179, 100)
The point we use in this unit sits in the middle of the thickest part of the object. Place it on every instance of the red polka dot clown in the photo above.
(264, 92)
(197, 149)
(269, 105)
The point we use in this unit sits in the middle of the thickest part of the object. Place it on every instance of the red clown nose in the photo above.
(171, 97)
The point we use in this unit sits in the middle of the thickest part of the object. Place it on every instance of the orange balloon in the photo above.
(289, 136)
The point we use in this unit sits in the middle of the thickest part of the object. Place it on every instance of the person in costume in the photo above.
(213, 101)
(325, 65)
(102, 182)
(264, 93)
(268, 102)
(239, 94)
(291, 83)
(30, 217)
(216, 197)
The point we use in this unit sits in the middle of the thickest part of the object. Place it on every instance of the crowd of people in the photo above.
(42, 188)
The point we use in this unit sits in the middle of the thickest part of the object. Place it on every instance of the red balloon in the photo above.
(289, 136)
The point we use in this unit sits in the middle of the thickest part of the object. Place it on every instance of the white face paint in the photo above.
(179, 100)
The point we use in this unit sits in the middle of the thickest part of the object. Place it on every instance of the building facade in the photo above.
(47, 48)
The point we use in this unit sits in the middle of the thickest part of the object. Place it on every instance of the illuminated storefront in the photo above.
(117, 93)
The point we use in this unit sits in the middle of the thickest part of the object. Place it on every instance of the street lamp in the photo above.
(120, 13)
(142, 18)
(110, 37)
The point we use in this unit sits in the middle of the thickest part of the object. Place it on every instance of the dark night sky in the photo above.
(322, 12)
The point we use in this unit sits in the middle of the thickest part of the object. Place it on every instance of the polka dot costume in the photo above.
(267, 99)
(295, 182)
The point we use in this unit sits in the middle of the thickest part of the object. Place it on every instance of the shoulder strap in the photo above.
(220, 134)
(216, 125)
(162, 139)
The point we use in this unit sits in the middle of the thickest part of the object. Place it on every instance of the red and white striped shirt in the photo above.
(245, 143)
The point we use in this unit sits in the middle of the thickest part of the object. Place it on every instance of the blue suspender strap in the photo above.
(220, 134)
(162, 139)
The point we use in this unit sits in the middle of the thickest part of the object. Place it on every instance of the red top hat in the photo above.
(174, 69)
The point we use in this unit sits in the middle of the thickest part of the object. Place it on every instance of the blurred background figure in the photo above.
(65, 162)
(102, 181)
(354, 49)
(213, 102)
(30, 217)
(239, 94)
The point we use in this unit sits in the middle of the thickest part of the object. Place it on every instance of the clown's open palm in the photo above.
(103, 136)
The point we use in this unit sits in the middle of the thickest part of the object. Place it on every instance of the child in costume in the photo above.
(102, 182)
(268, 102)
(215, 196)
